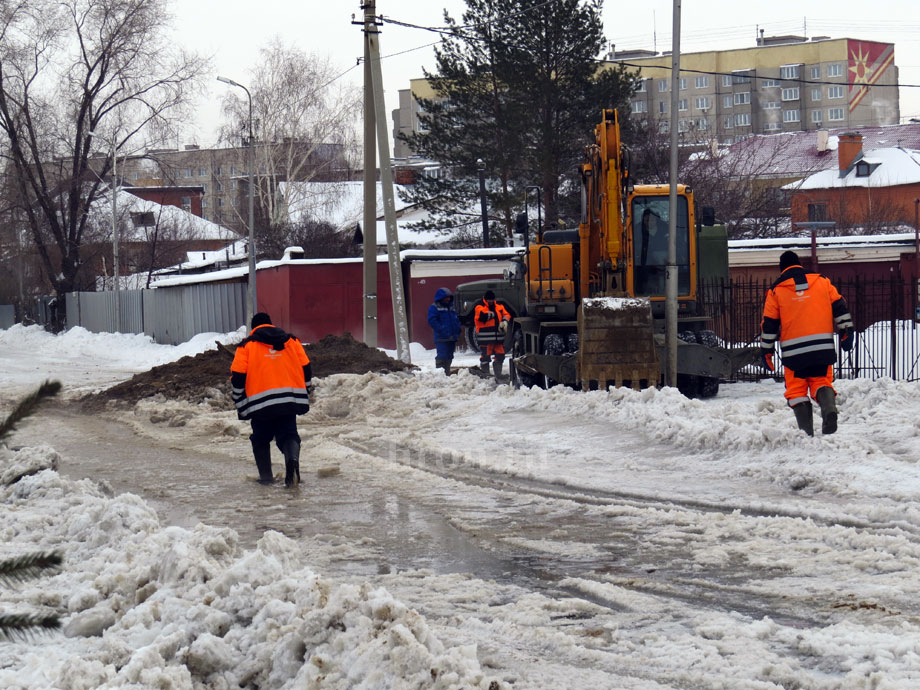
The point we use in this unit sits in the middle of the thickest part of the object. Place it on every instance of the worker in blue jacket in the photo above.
(444, 321)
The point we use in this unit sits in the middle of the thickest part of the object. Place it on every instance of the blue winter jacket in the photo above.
(443, 318)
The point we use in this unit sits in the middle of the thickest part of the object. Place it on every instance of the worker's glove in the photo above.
(311, 389)
(490, 315)
(503, 327)
(846, 340)
(766, 359)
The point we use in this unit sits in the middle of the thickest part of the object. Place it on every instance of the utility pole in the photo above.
(397, 296)
(481, 165)
(370, 187)
(670, 308)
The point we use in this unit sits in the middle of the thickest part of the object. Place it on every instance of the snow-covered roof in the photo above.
(183, 224)
(796, 154)
(889, 167)
(342, 204)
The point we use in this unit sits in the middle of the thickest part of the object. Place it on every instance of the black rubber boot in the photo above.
(827, 399)
(484, 366)
(497, 366)
(263, 456)
(443, 364)
(291, 450)
(804, 416)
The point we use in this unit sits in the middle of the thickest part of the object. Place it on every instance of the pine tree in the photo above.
(518, 86)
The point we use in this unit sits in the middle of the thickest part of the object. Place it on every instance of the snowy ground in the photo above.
(475, 536)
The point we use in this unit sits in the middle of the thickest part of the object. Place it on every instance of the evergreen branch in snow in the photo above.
(23, 626)
(28, 406)
(21, 568)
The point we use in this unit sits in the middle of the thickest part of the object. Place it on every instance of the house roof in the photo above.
(889, 167)
(796, 154)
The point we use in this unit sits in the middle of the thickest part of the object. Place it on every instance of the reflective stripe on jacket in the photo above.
(273, 383)
(486, 320)
(801, 311)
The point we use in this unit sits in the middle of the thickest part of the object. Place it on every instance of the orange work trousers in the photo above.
(797, 390)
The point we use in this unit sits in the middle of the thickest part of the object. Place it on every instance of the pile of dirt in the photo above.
(207, 375)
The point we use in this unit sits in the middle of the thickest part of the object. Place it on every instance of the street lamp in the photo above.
(482, 201)
(251, 306)
(115, 268)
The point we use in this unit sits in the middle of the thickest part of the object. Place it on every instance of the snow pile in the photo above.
(148, 606)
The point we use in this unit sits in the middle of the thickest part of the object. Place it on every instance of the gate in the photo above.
(884, 311)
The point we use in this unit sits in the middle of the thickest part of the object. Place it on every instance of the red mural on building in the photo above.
(865, 64)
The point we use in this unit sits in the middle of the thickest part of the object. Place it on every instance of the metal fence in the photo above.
(169, 315)
(884, 311)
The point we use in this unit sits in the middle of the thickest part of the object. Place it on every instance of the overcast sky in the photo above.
(232, 31)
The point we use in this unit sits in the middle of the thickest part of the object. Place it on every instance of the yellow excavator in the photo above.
(589, 303)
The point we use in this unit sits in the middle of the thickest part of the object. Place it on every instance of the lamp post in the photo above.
(480, 164)
(253, 302)
(115, 267)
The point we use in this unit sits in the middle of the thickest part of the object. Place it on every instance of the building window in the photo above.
(702, 103)
(186, 172)
(202, 172)
(816, 94)
(662, 85)
(186, 202)
(726, 80)
(682, 104)
(702, 82)
(864, 169)
(233, 170)
(683, 83)
(835, 70)
(835, 114)
(702, 123)
(768, 83)
(683, 125)
(742, 98)
(835, 92)
(741, 78)
(664, 126)
(742, 119)
(640, 86)
(662, 108)
(790, 94)
(772, 127)
(771, 105)
(728, 122)
(220, 202)
(204, 203)
(220, 186)
(639, 107)
(816, 116)
(790, 116)
(789, 72)
(218, 171)
(817, 213)
(137, 176)
(727, 101)
(204, 188)
(815, 72)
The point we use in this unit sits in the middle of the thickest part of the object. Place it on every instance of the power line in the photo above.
(452, 30)
(736, 74)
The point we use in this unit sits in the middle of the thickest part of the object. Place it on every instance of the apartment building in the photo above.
(221, 173)
(783, 84)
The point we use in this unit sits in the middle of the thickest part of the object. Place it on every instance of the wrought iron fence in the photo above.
(884, 312)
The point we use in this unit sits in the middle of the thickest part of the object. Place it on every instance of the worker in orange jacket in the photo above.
(271, 379)
(491, 321)
(802, 310)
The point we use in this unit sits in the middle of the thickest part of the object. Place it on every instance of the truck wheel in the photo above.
(519, 378)
(471, 338)
(708, 387)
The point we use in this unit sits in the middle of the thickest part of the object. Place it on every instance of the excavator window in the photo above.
(650, 218)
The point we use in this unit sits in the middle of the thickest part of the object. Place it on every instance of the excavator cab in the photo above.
(648, 227)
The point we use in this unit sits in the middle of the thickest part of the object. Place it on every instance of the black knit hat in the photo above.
(489, 295)
(260, 319)
(788, 258)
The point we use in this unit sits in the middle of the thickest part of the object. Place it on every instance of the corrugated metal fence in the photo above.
(170, 315)
(884, 312)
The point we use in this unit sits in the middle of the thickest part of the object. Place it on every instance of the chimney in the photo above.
(849, 146)
(822, 140)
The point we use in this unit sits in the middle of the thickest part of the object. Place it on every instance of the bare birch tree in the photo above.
(304, 127)
(69, 68)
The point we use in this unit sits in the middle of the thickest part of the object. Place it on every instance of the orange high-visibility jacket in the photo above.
(269, 375)
(486, 320)
(802, 310)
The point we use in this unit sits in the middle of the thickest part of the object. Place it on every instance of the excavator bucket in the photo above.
(616, 343)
